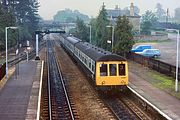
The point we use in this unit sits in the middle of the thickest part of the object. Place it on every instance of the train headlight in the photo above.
(103, 83)
(123, 82)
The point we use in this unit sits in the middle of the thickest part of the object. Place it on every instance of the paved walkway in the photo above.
(161, 99)
(17, 94)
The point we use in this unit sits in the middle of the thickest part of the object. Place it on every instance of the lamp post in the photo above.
(6, 35)
(177, 56)
(89, 33)
(112, 43)
(177, 61)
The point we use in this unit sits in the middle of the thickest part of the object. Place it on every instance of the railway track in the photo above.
(139, 112)
(56, 104)
(22, 57)
(124, 107)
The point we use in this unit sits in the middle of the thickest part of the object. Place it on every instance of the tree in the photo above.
(81, 30)
(101, 29)
(160, 12)
(7, 19)
(148, 21)
(177, 14)
(123, 35)
(21, 13)
(26, 12)
(26, 15)
(69, 16)
(93, 30)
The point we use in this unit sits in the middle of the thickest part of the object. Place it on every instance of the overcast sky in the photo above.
(48, 8)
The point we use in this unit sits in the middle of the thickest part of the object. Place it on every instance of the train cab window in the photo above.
(112, 69)
(122, 69)
(103, 69)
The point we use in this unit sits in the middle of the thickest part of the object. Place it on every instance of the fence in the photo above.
(2, 71)
(154, 64)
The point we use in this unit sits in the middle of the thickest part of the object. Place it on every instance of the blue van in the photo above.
(140, 48)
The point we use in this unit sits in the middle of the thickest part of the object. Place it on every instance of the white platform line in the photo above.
(40, 89)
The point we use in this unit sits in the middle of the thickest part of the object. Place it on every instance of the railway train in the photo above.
(107, 70)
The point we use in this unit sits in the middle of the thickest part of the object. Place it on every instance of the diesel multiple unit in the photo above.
(107, 70)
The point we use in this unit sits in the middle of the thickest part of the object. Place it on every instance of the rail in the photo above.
(58, 97)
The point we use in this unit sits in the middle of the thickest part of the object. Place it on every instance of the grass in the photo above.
(165, 83)
(2, 61)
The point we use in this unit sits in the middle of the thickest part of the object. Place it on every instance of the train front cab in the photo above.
(111, 73)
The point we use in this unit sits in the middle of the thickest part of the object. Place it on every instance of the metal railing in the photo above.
(154, 64)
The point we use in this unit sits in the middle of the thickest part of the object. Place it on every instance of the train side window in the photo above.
(93, 68)
(89, 63)
(122, 69)
(103, 69)
(112, 69)
(85, 60)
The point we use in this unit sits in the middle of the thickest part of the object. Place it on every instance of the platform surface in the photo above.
(16, 96)
(167, 103)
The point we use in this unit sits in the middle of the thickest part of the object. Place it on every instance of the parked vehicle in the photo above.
(140, 48)
(150, 53)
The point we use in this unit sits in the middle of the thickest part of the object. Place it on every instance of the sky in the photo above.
(48, 8)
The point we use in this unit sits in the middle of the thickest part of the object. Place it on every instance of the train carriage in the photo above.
(106, 69)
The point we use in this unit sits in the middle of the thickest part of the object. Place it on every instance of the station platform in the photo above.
(166, 103)
(20, 96)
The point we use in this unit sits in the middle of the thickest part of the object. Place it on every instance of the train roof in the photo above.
(97, 54)
(73, 40)
(111, 57)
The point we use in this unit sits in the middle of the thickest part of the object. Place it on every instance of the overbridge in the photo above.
(44, 32)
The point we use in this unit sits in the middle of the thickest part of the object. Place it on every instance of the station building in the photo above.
(134, 18)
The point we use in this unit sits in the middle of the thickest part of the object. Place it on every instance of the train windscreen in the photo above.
(112, 69)
(122, 70)
(103, 69)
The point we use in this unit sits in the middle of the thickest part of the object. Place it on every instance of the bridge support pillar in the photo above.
(37, 48)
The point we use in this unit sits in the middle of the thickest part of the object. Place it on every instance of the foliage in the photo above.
(6, 19)
(20, 13)
(93, 30)
(148, 21)
(81, 30)
(123, 35)
(168, 25)
(160, 12)
(27, 18)
(101, 29)
(69, 16)
(72, 31)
